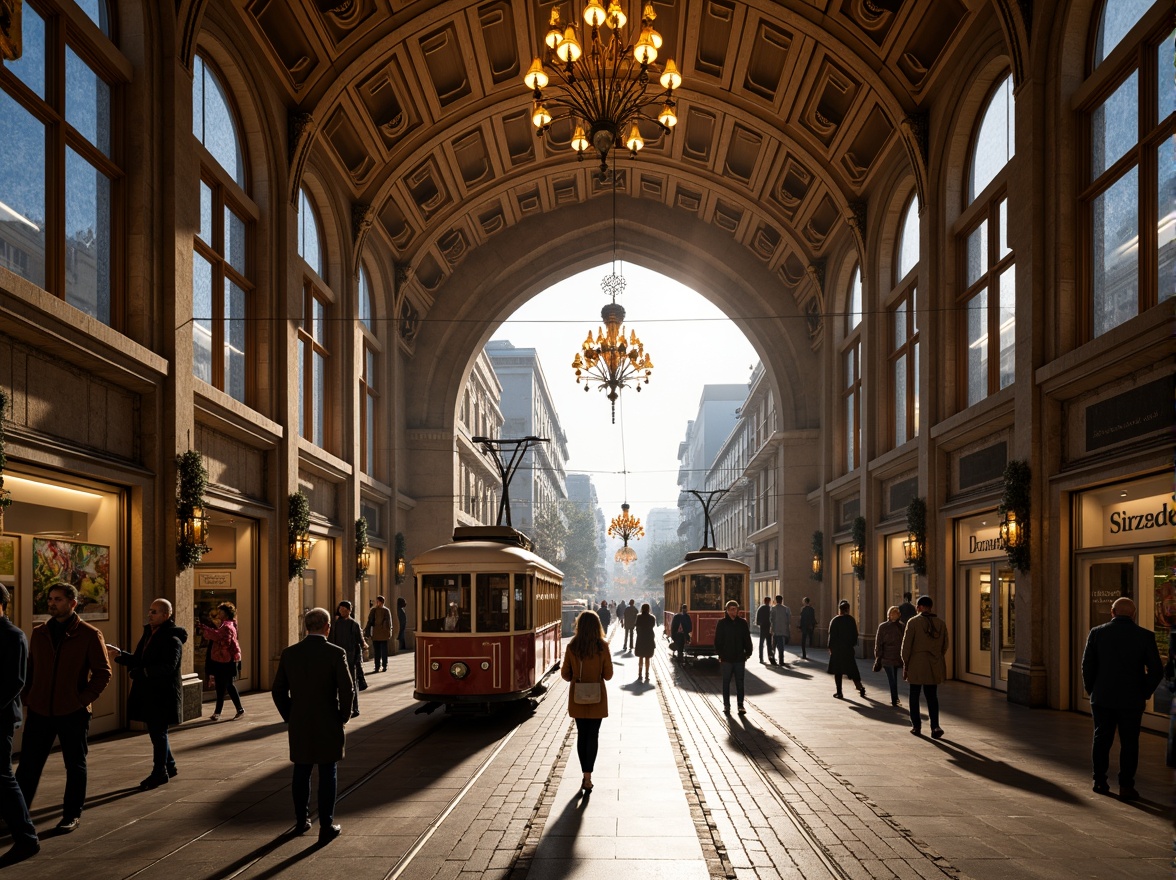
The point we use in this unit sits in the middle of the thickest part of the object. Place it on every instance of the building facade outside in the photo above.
(705, 433)
(479, 483)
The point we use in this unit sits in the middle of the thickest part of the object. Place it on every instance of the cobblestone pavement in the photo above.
(803, 786)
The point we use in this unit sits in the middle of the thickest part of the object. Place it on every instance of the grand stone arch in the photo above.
(531, 256)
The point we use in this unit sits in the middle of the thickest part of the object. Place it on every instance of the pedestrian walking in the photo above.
(605, 616)
(379, 630)
(924, 646)
(781, 620)
(1121, 668)
(763, 621)
(157, 695)
(906, 610)
(588, 665)
(645, 644)
(224, 657)
(843, 637)
(14, 658)
(888, 649)
(345, 633)
(68, 670)
(630, 621)
(401, 623)
(680, 628)
(313, 693)
(808, 626)
(733, 645)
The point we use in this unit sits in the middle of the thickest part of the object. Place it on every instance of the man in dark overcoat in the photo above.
(1121, 668)
(312, 690)
(14, 655)
(157, 694)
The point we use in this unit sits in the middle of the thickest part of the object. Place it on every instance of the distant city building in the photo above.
(582, 491)
(705, 433)
(478, 415)
(528, 410)
(661, 526)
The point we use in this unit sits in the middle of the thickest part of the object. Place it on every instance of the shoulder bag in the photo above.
(585, 693)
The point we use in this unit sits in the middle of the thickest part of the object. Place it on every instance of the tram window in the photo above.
(706, 592)
(445, 603)
(493, 601)
(734, 588)
(522, 604)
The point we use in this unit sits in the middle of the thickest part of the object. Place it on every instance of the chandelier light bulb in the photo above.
(645, 52)
(634, 141)
(568, 49)
(540, 116)
(580, 140)
(536, 78)
(594, 14)
(616, 16)
(554, 31)
(668, 118)
(670, 78)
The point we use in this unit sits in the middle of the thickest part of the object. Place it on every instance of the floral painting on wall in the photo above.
(86, 566)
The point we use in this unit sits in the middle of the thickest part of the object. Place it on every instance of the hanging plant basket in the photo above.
(192, 479)
(1016, 501)
(298, 529)
(917, 531)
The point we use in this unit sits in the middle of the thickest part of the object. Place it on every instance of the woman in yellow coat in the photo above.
(587, 664)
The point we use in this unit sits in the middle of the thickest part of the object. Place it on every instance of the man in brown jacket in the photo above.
(68, 670)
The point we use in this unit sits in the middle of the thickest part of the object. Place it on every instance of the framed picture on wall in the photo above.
(86, 566)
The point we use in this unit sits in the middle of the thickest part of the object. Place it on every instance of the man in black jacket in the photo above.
(1121, 668)
(763, 620)
(733, 645)
(14, 655)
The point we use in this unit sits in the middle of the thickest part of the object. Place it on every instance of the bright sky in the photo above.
(677, 326)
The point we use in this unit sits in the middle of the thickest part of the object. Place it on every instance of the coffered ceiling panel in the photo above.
(786, 112)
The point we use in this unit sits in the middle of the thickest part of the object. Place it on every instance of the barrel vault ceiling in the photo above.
(787, 112)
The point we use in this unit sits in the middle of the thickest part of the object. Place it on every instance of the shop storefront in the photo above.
(73, 531)
(228, 573)
(985, 594)
(1125, 538)
(900, 577)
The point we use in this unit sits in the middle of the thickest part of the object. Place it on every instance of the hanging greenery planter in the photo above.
(363, 557)
(857, 553)
(817, 573)
(1014, 511)
(5, 495)
(191, 519)
(298, 526)
(401, 563)
(915, 546)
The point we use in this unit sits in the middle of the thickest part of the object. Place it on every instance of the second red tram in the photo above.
(704, 583)
(488, 619)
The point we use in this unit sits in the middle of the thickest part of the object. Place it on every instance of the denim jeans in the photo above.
(765, 638)
(39, 733)
(328, 789)
(806, 641)
(587, 742)
(13, 809)
(161, 756)
(736, 670)
(780, 641)
(892, 677)
(380, 653)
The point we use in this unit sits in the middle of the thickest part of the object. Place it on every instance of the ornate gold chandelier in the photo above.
(604, 85)
(628, 528)
(610, 360)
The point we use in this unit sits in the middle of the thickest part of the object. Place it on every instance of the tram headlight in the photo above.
(485, 664)
(459, 670)
(434, 665)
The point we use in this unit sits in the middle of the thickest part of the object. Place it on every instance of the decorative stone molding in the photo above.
(300, 131)
(362, 217)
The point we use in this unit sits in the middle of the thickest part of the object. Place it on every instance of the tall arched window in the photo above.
(60, 222)
(369, 380)
(222, 260)
(988, 305)
(1129, 197)
(313, 352)
(904, 329)
(851, 372)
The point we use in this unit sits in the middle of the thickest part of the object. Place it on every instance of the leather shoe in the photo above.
(172, 771)
(327, 833)
(65, 826)
(153, 781)
(742, 711)
(1128, 794)
(302, 826)
(19, 852)
(1102, 788)
(936, 733)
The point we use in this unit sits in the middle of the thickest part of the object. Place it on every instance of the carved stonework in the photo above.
(816, 273)
(917, 125)
(410, 321)
(814, 321)
(857, 216)
(10, 32)
(401, 273)
(362, 218)
(300, 126)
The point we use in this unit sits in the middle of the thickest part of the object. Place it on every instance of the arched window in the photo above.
(313, 350)
(369, 380)
(851, 371)
(988, 305)
(222, 289)
(98, 12)
(60, 220)
(309, 243)
(1129, 200)
(904, 330)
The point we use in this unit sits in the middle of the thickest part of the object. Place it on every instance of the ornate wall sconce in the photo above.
(857, 553)
(363, 555)
(818, 554)
(298, 528)
(191, 516)
(914, 548)
(1011, 533)
(401, 565)
(1014, 510)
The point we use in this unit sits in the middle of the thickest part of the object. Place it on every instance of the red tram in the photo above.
(704, 583)
(488, 620)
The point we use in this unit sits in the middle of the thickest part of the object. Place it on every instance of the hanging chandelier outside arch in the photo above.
(628, 528)
(603, 80)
